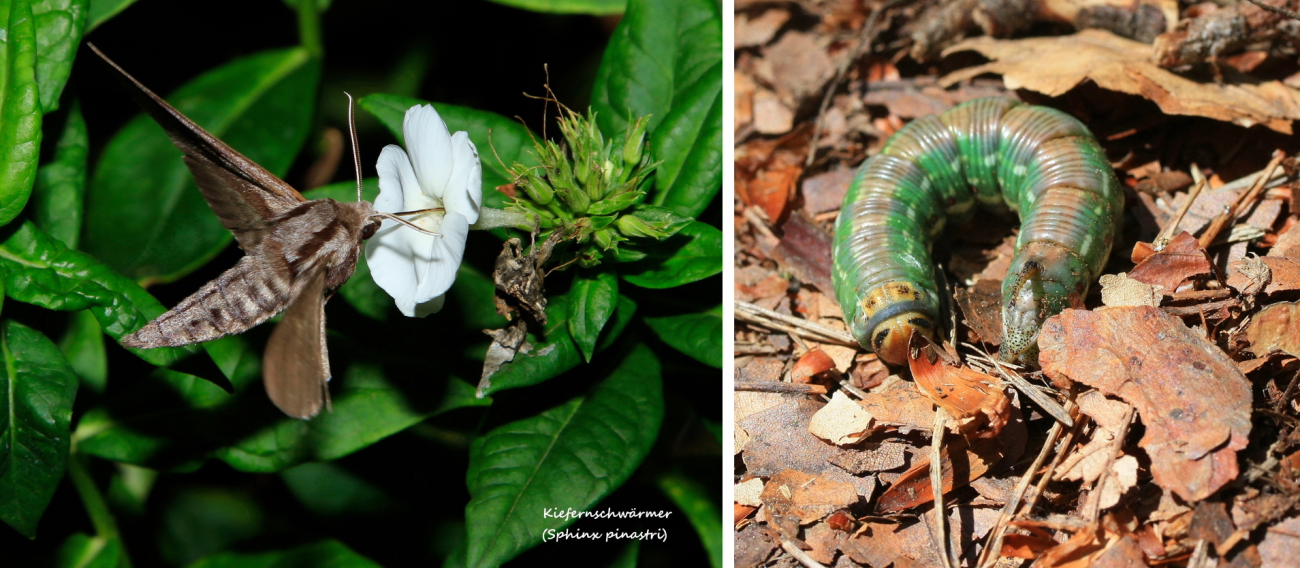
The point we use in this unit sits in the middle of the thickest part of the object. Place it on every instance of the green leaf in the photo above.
(327, 554)
(329, 490)
(84, 551)
(701, 507)
(658, 52)
(662, 219)
(592, 299)
(60, 194)
(494, 136)
(39, 270)
(694, 253)
(149, 220)
(204, 520)
(83, 345)
(698, 335)
(251, 435)
(37, 387)
(103, 10)
(570, 456)
(59, 25)
(689, 143)
(591, 7)
(20, 107)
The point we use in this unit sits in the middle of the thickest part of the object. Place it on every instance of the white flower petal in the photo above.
(430, 307)
(429, 145)
(398, 256)
(465, 187)
(398, 188)
(444, 257)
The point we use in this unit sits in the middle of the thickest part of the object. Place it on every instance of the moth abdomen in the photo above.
(242, 297)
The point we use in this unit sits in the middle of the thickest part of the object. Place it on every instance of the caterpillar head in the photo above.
(888, 315)
(1023, 312)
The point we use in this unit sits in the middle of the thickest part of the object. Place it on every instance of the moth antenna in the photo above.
(405, 222)
(356, 152)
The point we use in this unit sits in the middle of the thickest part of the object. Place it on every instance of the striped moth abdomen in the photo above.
(1001, 155)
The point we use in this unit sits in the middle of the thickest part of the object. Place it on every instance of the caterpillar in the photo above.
(1007, 157)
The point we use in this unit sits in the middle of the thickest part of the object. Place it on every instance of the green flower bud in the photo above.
(615, 203)
(538, 189)
(576, 199)
(634, 226)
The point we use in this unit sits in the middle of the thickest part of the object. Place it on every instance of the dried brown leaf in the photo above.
(976, 402)
(913, 488)
(1180, 263)
(1283, 275)
(900, 404)
(1195, 404)
(842, 421)
(805, 498)
(1054, 65)
(1275, 328)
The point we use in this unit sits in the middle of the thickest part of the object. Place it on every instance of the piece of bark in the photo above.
(1275, 328)
(805, 249)
(1194, 402)
(794, 498)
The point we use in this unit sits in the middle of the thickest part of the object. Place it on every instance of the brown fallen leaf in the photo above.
(1025, 546)
(823, 542)
(1181, 263)
(1283, 275)
(1281, 544)
(981, 304)
(1054, 65)
(842, 421)
(913, 488)
(811, 364)
(883, 456)
(1194, 402)
(1120, 290)
(1275, 328)
(779, 439)
(899, 404)
(804, 499)
(912, 544)
(977, 403)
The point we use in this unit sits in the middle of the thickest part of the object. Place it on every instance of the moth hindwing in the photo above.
(297, 253)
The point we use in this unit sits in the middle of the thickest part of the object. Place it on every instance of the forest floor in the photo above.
(1163, 426)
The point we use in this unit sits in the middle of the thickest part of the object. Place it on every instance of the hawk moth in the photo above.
(297, 254)
(1005, 156)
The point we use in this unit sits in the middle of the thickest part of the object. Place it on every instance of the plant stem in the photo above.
(309, 28)
(96, 507)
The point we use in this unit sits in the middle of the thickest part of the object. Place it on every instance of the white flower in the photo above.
(437, 170)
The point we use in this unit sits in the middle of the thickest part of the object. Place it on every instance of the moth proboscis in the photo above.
(297, 254)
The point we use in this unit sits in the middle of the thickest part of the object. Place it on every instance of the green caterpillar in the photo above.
(1005, 155)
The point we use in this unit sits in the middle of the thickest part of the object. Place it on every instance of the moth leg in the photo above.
(295, 366)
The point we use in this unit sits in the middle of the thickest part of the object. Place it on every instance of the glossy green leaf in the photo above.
(494, 136)
(694, 253)
(84, 551)
(37, 387)
(689, 144)
(59, 199)
(698, 335)
(59, 25)
(148, 219)
(570, 456)
(20, 107)
(701, 507)
(327, 554)
(251, 435)
(103, 10)
(592, 299)
(658, 52)
(83, 346)
(39, 270)
(591, 7)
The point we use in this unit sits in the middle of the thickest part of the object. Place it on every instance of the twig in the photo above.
(1030, 390)
(936, 484)
(781, 322)
(1022, 485)
(1276, 10)
(800, 555)
(1051, 468)
(1094, 504)
(868, 37)
(778, 387)
(1168, 232)
(1243, 202)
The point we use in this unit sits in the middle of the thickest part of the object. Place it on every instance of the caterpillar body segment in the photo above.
(1004, 156)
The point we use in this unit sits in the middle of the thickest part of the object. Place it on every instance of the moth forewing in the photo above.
(298, 253)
